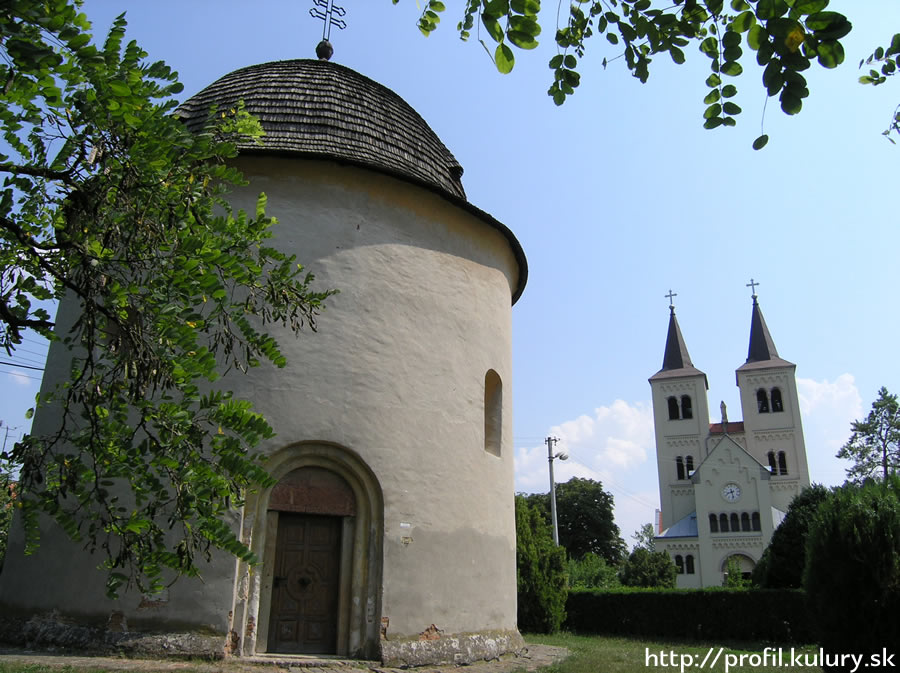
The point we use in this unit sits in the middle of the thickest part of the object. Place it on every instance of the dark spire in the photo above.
(676, 359)
(761, 345)
(676, 355)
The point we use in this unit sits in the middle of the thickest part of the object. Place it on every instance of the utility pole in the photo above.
(562, 455)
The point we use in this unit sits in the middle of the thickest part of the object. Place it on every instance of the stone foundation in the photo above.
(432, 647)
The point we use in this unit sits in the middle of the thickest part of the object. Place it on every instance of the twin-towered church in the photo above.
(724, 487)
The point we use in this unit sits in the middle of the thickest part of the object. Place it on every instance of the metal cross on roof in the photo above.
(670, 296)
(328, 13)
(752, 285)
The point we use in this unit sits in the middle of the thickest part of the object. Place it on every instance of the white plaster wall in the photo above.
(395, 374)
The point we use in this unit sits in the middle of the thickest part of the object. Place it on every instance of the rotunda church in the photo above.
(390, 533)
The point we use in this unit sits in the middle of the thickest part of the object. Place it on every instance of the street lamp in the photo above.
(562, 455)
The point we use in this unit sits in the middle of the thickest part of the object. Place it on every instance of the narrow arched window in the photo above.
(762, 401)
(689, 466)
(773, 466)
(687, 410)
(777, 404)
(689, 564)
(735, 522)
(679, 564)
(713, 523)
(745, 522)
(782, 463)
(493, 412)
(673, 409)
(756, 521)
(723, 523)
(679, 468)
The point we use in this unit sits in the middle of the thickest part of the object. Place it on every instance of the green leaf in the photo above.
(504, 58)
(830, 53)
(760, 142)
(711, 97)
(526, 7)
(757, 36)
(556, 61)
(570, 61)
(710, 47)
(119, 88)
(712, 111)
(730, 108)
(522, 40)
(493, 27)
(732, 68)
(713, 80)
(677, 55)
(828, 25)
(744, 21)
(770, 9)
(809, 6)
(790, 103)
(729, 90)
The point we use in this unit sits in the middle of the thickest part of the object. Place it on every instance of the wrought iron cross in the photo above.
(328, 12)
(752, 285)
(670, 296)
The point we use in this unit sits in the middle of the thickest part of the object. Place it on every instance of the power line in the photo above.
(34, 378)
(15, 364)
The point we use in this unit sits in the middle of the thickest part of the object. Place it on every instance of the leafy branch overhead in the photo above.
(787, 36)
(110, 203)
(889, 58)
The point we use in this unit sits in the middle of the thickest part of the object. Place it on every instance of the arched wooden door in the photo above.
(312, 505)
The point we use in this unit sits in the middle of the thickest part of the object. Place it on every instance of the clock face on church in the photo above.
(731, 492)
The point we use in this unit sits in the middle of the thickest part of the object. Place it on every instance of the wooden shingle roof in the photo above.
(322, 109)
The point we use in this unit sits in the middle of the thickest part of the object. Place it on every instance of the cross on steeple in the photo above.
(752, 285)
(327, 14)
(670, 296)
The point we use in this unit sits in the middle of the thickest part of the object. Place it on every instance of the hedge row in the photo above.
(777, 615)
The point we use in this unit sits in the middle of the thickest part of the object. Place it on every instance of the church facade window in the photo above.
(679, 468)
(762, 401)
(755, 521)
(777, 403)
(493, 412)
(713, 523)
(723, 523)
(782, 463)
(687, 411)
(735, 522)
(745, 522)
(689, 564)
(679, 564)
(773, 465)
(689, 465)
(673, 409)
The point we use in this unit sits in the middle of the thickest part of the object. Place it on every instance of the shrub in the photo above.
(692, 614)
(648, 569)
(540, 572)
(782, 563)
(852, 576)
(592, 572)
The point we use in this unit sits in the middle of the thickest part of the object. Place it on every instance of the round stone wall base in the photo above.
(432, 647)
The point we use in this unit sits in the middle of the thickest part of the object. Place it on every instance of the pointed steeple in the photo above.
(762, 352)
(676, 359)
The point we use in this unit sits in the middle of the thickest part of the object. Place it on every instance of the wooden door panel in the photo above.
(305, 591)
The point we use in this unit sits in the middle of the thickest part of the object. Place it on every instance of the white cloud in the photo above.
(19, 379)
(828, 408)
(611, 446)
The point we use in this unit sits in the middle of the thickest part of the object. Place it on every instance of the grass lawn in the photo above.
(601, 654)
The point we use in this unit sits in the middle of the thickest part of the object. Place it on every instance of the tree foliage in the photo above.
(645, 568)
(883, 63)
(787, 36)
(7, 494)
(585, 519)
(874, 446)
(592, 572)
(109, 202)
(852, 576)
(644, 537)
(781, 565)
(540, 572)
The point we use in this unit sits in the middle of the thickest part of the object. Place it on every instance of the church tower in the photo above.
(724, 487)
(771, 410)
(681, 420)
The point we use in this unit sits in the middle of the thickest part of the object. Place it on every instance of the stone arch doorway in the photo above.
(744, 565)
(318, 533)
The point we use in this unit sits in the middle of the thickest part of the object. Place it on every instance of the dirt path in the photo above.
(537, 656)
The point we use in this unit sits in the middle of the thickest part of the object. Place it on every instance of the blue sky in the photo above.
(616, 197)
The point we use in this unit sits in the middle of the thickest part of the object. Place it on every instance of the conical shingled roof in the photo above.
(676, 360)
(322, 109)
(761, 352)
